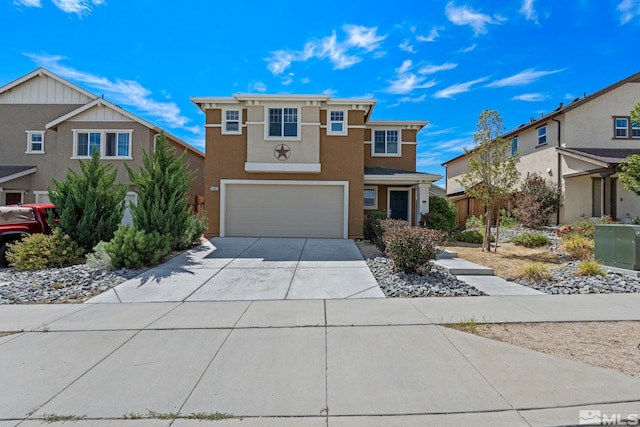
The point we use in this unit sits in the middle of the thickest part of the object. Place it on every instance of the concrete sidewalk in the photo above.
(249, 268)
(353, 362)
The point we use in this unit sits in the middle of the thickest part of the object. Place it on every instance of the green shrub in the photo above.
(469, 236)
(133, 248)
(474, 222)
(441, 216)
(372, 229)
(99, 254)
(590, 267)
(90, 204)
(506, 220)
(412, 248)
(196, 225)
(162, 185)
(539, 199)
(531, 240)
(38, 251)
(535, 271)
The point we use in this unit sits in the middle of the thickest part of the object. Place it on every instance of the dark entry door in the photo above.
(398, 201)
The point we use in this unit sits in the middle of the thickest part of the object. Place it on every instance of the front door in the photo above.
(398, 201)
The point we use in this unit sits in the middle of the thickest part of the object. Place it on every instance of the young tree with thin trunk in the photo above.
(492, 171)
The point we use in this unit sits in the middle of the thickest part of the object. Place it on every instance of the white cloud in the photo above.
(330, 92)
(464, 15)
(628, 9)
(530, 97)
(458, 88)
(406, 99)
(342, 54)
(407, 46)
(257, 87)
(431, 69)
(125, 92)
(468, 49)
(523, 78)
(529, 11)
(28, 3)
(406, 81)
(79, 7)
(305, 80)
(427, 159)
(363, 37)
(433, 35)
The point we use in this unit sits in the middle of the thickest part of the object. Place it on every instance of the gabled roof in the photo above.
(562, 109)
(40, 72)
(133, 117)
(9, 173)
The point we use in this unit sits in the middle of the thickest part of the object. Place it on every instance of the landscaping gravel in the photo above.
(60, 285)
(437, 283)
(564, 281)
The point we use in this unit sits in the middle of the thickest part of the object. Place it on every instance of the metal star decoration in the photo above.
(282, 152)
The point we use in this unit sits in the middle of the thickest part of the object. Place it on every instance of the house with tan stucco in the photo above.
(578, 147)
(307, 166)
(48, 124)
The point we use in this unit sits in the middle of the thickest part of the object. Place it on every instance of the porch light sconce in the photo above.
(549, 171)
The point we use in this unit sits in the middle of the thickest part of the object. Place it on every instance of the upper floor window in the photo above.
(231, 122)
(115, 144)
(514, 146)
(542, 135)
(283, 123)
(635, 130)
(385, 142)
(621, 127)
(337, 123)
(35, 142)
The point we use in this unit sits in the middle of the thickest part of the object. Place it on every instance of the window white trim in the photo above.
(375, 197)
(624, 129)
(542, 137)
(386, 153)
(103, 144)
(267, 108)
(514, 146)
(30, 142)
(635, 131)
(226, 121)
(409, 204)
(344, 122)
(225, 182)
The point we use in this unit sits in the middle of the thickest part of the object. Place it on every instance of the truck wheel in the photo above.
(3, 259)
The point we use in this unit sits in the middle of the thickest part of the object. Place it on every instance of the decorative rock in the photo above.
(437, 283)
(60, 285)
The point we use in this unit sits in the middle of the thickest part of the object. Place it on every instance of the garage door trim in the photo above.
(225, 182)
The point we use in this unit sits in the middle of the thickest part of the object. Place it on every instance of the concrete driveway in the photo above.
(240, 268)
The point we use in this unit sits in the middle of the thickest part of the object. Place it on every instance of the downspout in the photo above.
(559, 167)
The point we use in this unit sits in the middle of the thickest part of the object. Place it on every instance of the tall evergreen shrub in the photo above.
(162, 185)
(90, 204)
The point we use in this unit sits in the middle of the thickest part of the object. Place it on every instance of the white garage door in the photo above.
(284, 210)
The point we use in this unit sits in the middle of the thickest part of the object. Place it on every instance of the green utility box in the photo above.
(618, 245)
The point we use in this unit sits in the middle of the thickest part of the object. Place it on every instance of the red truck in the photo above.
(17, 221)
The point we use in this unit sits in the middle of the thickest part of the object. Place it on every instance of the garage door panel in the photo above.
(284, 210)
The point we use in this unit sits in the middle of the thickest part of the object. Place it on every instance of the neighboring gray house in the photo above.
(578, 147)
(48, 124)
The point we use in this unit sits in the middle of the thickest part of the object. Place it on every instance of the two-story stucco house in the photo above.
(48, 124)
(307, 166)
(578, 147)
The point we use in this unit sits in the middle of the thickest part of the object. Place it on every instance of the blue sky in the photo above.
(441, 61)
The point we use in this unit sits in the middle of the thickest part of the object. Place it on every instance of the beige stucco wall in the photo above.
(455, 169)
(628, 202)
(591, 124)
(303, 150)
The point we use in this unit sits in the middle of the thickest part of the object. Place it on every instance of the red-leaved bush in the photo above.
(412, 248)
